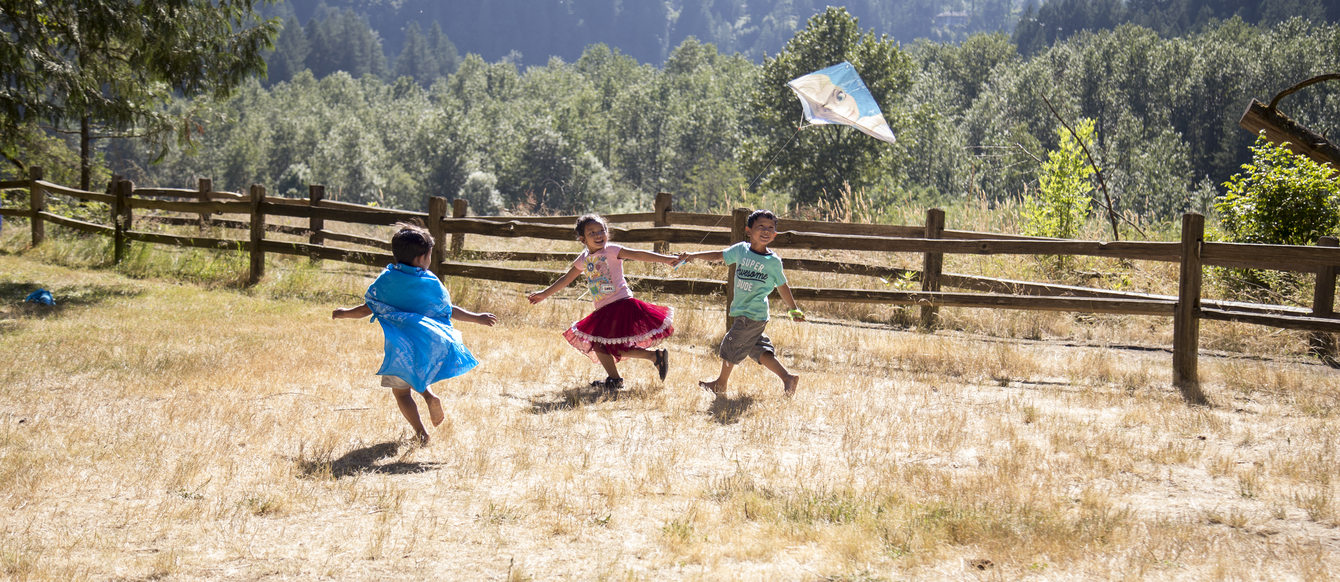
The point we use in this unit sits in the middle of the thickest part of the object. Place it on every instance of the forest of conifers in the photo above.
(606, 129)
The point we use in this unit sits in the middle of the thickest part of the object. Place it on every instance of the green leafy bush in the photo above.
(1280, 198)
(1064, 197)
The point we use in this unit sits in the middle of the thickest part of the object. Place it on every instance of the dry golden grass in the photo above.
(151, 430)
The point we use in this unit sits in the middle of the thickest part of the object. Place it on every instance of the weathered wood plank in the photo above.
(372, 217)
(952, 299)
(1280, 128)
(370, 258)
(187, 241)
(360, 240)
(1299, 322)
(76, 224)
(191, 206)
(1277, 257)
(1134, 250)
(51, 188)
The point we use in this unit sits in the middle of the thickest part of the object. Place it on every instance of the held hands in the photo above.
(681, 258)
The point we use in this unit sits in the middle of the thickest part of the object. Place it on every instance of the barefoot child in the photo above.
(621, 326)
(757, 272)
(415, 312)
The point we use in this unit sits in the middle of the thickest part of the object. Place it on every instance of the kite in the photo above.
(837, 95)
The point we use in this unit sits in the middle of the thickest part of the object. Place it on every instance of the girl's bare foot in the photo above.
(435, 413)
(711, 387)
(789, 385)
(423, 439)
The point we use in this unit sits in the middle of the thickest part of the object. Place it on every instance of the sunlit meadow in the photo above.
(163, 422)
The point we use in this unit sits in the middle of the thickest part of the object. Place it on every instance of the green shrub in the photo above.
(1280, 198)
(1065, 188)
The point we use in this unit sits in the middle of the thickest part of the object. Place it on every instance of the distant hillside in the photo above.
(1043, 24)
(530, 32)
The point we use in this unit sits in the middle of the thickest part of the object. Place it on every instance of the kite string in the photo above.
(752, 182)
(776, 153)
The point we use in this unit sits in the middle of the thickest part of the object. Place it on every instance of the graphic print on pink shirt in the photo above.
(604, 275)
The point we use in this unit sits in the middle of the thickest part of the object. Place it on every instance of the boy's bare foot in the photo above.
(789, 385)
(435, 413)
(423, 439)
(711, 387)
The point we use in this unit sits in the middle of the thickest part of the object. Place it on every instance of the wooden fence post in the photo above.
(933, 266)
(257, 234)
(120, 219)
(203, 187)
(739, 217)
(315, 194)
(437, 209)
(662, 210)
(459, 208)
(1186, 320)
(37, 203)
(1322, 344)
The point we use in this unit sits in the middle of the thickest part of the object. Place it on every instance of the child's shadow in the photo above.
(365, 460)
(726, 410)
(573, 397)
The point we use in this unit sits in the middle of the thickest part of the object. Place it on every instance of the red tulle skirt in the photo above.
(624, 325)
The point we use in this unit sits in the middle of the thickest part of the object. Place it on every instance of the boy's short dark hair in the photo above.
(410, 242)
(586, 219)
(757, 214)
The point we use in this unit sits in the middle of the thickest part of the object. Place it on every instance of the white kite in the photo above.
(837, 95)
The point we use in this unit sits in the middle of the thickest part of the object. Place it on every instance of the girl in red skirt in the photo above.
(621, 326)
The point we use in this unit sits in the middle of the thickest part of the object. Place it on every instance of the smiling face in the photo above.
(594, 236)
(762, 233)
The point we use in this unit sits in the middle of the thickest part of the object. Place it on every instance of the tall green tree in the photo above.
(417, 60)
(822, 159)
(342, 40)
(444, 52)
(289, 55)
(110, 65)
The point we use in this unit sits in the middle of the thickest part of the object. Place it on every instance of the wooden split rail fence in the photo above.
(449, 227)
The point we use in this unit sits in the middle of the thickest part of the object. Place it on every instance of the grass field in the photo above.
(152, 429)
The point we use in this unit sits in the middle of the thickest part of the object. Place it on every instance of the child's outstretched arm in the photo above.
(351, 312)
(562, 282)
(795, 313)
(646, 256)
(482, 318)
(699, 256)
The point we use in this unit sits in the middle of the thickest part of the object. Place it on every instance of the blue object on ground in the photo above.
(41, 296)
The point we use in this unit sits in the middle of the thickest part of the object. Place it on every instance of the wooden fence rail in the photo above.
(932, 241)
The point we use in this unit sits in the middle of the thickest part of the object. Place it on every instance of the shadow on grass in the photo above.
(13, 306)
(582, 395)
(727, 410)
(365, 460)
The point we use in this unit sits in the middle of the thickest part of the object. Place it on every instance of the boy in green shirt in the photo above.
(757, 272)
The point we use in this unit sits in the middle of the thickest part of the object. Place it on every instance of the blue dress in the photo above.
(414, 310)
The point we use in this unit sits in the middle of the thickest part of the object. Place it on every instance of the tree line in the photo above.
(606, 131)
(975, 120)
(528, 33)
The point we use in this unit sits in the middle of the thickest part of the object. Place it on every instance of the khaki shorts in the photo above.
(745, 340)
(395, 382)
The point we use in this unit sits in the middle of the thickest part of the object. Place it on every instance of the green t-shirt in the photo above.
(755, 277)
